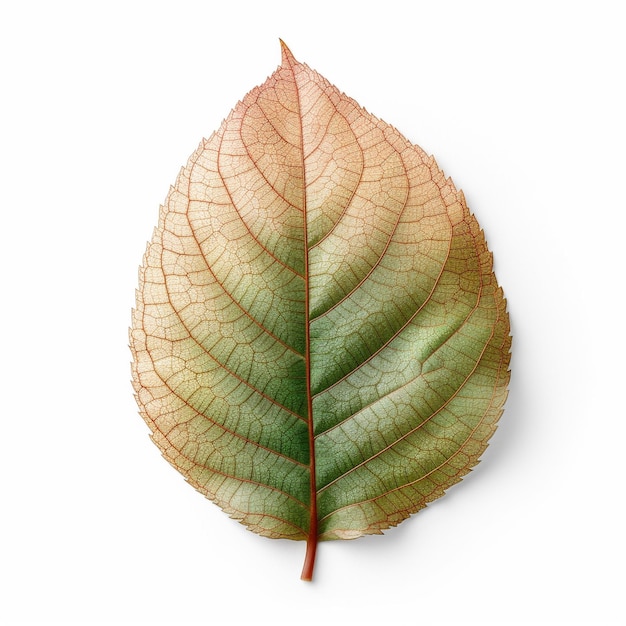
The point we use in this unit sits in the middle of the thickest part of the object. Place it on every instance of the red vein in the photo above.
(397, 332)
(272, 401)
(408, 382)
(438, 467)
(222, 426)
(232, 202)
(254, 163)
(311, 547)
(423, 423)
(243, 480)
(354, 190)
(228, 371)
(378, 260)
(219, 282)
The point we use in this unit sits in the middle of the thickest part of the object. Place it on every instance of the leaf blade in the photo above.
(197, 283)
(319, 337)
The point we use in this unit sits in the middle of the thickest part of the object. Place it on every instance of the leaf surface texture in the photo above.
(320, 344)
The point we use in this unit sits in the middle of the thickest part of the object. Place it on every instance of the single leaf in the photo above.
(320, 345)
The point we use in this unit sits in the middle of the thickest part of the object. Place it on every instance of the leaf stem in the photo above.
(309, 559)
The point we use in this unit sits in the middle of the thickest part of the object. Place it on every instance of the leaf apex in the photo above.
(287, 56)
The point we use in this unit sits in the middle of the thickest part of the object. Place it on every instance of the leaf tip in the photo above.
(287, 56)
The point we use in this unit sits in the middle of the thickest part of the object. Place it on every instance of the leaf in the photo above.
(320, 345)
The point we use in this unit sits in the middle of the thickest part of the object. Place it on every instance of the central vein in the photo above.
(309, 561)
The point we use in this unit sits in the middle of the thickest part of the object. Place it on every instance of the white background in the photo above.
(522, 103)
